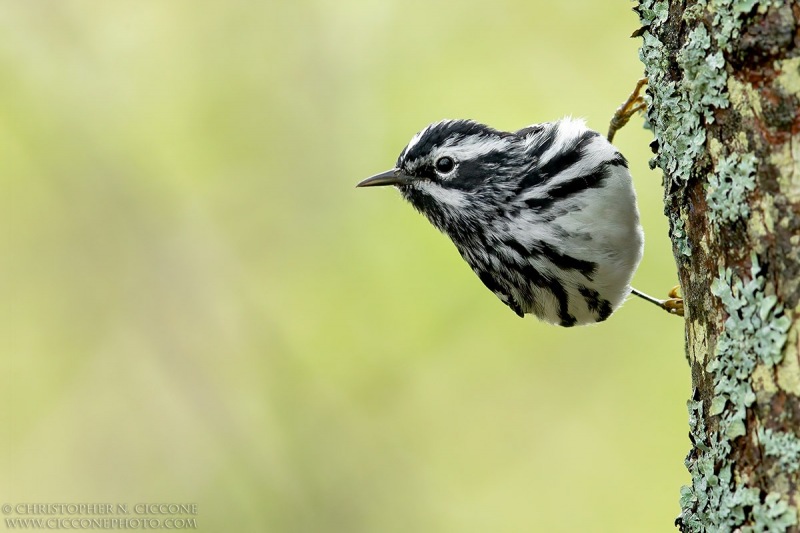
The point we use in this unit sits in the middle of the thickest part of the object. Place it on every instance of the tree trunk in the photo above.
(724, 89)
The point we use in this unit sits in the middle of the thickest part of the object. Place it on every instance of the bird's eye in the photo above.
(445, 165)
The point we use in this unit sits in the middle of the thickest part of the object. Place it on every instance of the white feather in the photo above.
(471, 148)
(451, 197)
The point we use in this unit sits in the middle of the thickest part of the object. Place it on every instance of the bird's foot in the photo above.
(672, 305)
(630, 107)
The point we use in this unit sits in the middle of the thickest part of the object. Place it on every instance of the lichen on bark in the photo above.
(723, 106)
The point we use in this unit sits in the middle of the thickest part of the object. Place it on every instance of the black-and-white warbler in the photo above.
(546, 216)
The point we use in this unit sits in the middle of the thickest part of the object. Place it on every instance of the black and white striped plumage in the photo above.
(545, 216)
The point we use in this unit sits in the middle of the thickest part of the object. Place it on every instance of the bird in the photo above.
(546, 216)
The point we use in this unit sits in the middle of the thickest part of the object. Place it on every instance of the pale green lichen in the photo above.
(783, 446)
(683, 101)
(705, 78)
(724, 504)
(713, 501)
(676, 124)
(653, 12)
(754, 332)
(734, 178)
(680, 239)
(728, 16)
(680, 107)
(775, 514)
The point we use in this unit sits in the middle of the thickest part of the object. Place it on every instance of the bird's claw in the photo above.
(630, 107)
(674, 304)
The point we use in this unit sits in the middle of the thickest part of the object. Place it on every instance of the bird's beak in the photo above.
(390, 177)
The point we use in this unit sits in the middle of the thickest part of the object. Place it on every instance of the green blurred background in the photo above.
(200, 307)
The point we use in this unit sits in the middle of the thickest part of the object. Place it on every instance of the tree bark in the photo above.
(724, 95)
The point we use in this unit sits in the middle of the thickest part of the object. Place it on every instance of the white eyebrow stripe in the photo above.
(471, 148)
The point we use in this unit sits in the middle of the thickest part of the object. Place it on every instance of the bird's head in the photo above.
(455, 170)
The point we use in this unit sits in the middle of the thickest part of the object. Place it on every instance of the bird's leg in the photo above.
(630, 107)
(672, 305)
